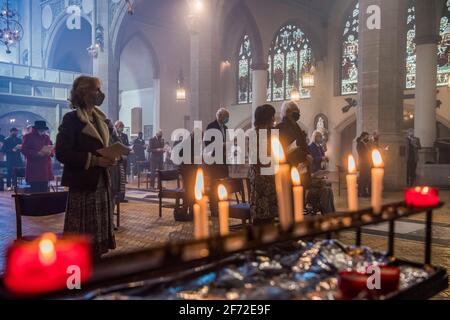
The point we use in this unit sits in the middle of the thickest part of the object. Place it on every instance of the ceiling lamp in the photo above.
(11, 31)
(308, 80)
(295, 94)
(181, 90)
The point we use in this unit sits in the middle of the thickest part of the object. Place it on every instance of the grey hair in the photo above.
(313, 136)
(222, 112)
(288, 106)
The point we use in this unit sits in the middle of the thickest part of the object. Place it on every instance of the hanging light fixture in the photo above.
(448, 82)
(295, 94)
(181, 90)
(11, 31)
(308, 78)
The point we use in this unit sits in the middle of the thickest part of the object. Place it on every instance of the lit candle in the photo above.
(224, 211)
(283, 185)
(201, 225)
(45, 265)
(352, 186)
(377, 181)
(298, 192)
(422, 197)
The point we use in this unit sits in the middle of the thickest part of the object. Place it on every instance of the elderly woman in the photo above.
(263, 195)
(294, 140)
(82, 133)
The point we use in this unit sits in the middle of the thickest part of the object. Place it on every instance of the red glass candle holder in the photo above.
(352, 284)
(422, 197)
(69, 260)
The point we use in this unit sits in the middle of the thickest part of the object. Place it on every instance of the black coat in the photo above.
(13, 158)
(74, 143)
(289, 133)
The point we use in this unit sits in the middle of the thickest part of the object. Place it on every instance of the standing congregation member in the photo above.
(218, 171)
(317, 152)
(121, 137)
(38, 151)
(413, 146)
(263, 194)
(156, 150)
(294, 141)
(82, 133)
(11, 148)
(139, 151)
(364, 149)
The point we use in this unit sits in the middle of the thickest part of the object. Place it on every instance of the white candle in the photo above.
(283, 185)
(201, 225)
(298, 191)
(352, 186)
(377, 181)
(224, 211)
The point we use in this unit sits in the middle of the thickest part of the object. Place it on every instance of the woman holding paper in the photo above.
(82, 134)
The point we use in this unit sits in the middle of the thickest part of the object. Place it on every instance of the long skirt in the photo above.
(263, 196)
(91, 213)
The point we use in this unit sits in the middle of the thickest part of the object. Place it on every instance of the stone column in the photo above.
(427, 38)
(259, 86)
(104, 65)
(36, 40)
(381, 83)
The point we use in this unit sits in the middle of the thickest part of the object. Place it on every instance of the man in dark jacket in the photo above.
(218, 171)
(156, 150)
(294, 141)
(139, 151)
(364, 149)
(11, 148)
(413, 146)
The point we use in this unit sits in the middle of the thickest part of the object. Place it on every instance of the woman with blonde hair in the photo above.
(82, 133)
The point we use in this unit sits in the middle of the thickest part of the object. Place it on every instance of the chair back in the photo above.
(41, 204)
(236, 187)
(168, 175)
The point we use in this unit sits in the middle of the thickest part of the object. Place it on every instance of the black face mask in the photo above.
(99, 98)
(296, 116)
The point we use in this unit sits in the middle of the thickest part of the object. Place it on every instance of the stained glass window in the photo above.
(349, 69)
(290, 55)
(444, 47)
(411, 47)
(244, 72)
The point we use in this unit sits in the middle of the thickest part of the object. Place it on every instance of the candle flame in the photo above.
(425, 190)
(223, 194)
(47, 251)
(199, 185)
(277, 150)
(295, 175)
(351, 165)
(377, 159)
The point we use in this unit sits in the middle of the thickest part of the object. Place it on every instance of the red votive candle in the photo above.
(47, 265)
(422, 197)
(351, 284)
(390, 279)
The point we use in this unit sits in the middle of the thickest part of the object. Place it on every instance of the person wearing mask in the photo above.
(139, 152)
(413, 146)
(317, 152)
(364, 149)
(218, 171)
(38, 151)
(263, 194)
(83, 132)
(156, 150)
(11, 148)
(294, 141)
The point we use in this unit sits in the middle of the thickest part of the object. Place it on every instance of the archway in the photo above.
(19, 120)
(68, 50)
(138, 87)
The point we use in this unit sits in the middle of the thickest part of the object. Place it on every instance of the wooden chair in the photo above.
(164, 193)
(38, 205)
(241, 209)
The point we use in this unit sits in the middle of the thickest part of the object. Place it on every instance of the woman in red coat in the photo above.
(38, 151)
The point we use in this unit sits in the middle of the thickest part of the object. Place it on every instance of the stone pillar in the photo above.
(259, 86)
(103, 66)
(427, 38)
(156, 104)
(36, 40)
(381, 84)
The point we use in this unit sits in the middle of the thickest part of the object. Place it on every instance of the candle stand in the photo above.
(196, 257)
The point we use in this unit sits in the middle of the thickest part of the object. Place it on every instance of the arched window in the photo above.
(244, 72)
(444, 47)
(289, 56)
(349, 68)
(411, 47)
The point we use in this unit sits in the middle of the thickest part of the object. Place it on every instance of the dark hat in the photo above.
(40, 125)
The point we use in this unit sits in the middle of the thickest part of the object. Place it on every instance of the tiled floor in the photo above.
(142, 228)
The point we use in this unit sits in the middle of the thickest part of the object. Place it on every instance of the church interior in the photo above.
(364, 80)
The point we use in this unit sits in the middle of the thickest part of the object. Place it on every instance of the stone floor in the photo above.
(142, 228)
